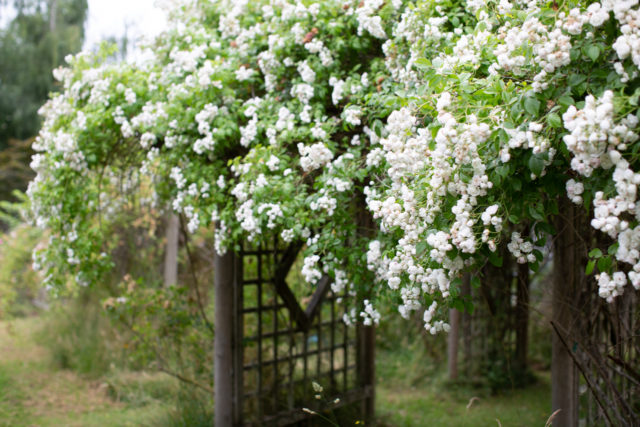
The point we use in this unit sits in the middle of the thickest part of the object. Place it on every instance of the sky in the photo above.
(115, 17)
(108, 18)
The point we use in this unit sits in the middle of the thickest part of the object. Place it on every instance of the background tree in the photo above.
(32, 44)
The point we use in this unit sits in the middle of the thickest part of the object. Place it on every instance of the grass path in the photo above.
(33, 393)
(419, 407)
(412, 391)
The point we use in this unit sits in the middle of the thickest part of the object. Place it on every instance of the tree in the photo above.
(34, 43)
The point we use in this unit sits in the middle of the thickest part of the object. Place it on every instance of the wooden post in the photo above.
(223, 340)
(367, 369)
(522, 317)
(452, 343)
(566, 281)
(366, 339)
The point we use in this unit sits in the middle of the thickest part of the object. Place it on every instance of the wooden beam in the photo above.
(223, 339)
(318, 296)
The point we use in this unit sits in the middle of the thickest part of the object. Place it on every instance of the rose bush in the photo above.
(453, 123)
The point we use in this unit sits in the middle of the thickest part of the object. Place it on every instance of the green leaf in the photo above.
(613, 249)
(554, 120)
(458, 304)
(495, 259)
(516, 184)
(539, 255)
(536, 165)
(592, 51)
(534, 213)
(590, 266)
(633, 100)
(422, 63)
(468, 306)
(565, 101)
(503, 170)
(604, 263)
(595, 253)
(531, 105)
(576, 79)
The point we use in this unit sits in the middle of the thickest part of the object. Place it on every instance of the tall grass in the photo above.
(81, 338)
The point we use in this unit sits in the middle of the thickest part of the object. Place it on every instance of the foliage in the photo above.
(168, 331)
(82, 338)
(19, 283)
(268, 118)
(15, 173)
(31, 46)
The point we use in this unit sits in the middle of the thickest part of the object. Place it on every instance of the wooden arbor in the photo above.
(269, 349)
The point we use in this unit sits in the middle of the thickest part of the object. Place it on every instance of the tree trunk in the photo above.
(567, 280)
(171, 253)
(53, 11)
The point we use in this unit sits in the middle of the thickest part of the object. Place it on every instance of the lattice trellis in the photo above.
(277, 345)
(607, 353)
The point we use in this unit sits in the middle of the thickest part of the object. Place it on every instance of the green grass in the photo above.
(34, 392)
(426, 406)
(412, 390)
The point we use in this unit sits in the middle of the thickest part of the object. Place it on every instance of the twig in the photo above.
(632, 375)
(162, 362)
(473, 399)
(185, 379)
(551, 417)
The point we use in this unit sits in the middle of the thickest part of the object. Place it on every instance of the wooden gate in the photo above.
(271, 346)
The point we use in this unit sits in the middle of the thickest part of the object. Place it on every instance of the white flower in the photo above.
(352, 115)
(306, 72)
(314, 156)
(243, 73)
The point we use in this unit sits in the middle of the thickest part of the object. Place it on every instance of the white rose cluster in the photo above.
(246, 117)
(597, 142)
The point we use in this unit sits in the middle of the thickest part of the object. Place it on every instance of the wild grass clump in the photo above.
(82, 338)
